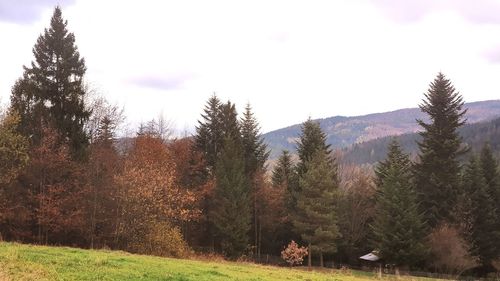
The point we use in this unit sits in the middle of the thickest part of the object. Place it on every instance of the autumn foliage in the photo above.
(293, 254)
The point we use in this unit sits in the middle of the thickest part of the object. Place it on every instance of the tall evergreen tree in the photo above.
(491, 173)
(398, 228)
(52, 89)
(484, 233)
(438, 172)
(311, 140)
(209, 137)
(284, 170)
(315, 217)
(230, 127)
(255, 154)
(255, 150)
(231, 214)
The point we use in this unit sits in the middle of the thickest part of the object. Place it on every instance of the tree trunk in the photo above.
(321, 259)
(260, 240)
(309, 256)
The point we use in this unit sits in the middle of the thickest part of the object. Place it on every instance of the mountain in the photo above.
(343, 132)
(474, 135)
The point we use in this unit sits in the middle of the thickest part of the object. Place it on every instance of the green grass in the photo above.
(28, 262)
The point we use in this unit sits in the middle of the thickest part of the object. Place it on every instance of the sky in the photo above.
(289, 59)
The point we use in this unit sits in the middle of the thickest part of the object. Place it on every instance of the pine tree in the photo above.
(230, 127)
(209, 136)
(255, 150)
(284, 170)
(51, 91)
(231, 214)
(484, 233)
(311, 140)
(491, 173)
(315, 218)
(284, 175)
(255, 154)
(438, 172)
(398, 228)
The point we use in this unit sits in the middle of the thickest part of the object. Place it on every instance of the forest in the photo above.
(67, 178)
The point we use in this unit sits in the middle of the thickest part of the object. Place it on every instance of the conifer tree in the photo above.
(51, 90)
(209, 137)
(491, 173)
(285, 176)
(230, 127)
(255, 154)
(255, 150)
(484, 233)
(398, 228)
(315, 217)
(231, 213)
(312, 139)
(438, 172)
(284, 170)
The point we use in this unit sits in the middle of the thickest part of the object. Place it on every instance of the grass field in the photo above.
(27, 262)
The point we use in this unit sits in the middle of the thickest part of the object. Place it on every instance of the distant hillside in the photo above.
(343, 131)
(474, 136)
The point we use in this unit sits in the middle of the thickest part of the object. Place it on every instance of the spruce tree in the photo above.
(484, 233)
(491, 174)
(315, 217)
(398, 228)
(284, 170)
(255, 154)
(209, 137)
(311, 140)
(255, 150)
(438, 172)
(231, 213)
(51, 90)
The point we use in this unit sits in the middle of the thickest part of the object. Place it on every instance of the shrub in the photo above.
(450, 252)
(161, 239)
(293, 254)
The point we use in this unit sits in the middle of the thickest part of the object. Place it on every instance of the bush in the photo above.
(293, 254)
(162, 239)
(450, 252)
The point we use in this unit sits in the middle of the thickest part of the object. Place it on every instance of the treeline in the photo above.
(64, 180)
(474, 136)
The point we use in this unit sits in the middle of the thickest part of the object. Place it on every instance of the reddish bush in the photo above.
(293, 254)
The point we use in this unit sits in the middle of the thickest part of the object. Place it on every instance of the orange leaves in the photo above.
(148, 182)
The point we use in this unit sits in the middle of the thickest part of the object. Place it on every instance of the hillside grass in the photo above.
(29, 262)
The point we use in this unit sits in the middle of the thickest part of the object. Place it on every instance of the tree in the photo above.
(315, 219)
(284, 171)
(56, 186)
(483, 232)
(13, 149)
(255, 154)
(312, 139)
(101, 168)
(231, 213)
(255, 150)
(438, 171)
(356, 210)
(489, 166)
(51, 90)
(148, 195)
(209, 136)
(398, 228)
(13, 158)
(285, 179)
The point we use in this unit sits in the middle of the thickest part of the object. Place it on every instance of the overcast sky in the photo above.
(289, 59)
